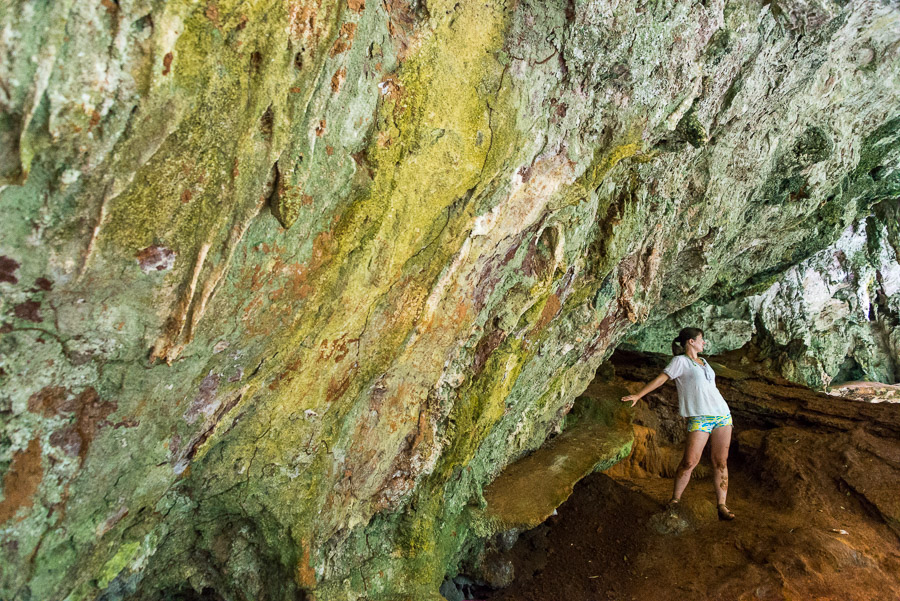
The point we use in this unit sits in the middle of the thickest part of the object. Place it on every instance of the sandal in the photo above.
(725, 514)
(672, 506)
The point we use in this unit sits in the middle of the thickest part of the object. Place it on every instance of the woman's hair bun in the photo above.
(678, 344)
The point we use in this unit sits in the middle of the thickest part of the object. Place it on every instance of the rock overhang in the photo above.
(395, 241)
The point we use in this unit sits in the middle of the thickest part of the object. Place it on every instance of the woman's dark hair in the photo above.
(683, 336)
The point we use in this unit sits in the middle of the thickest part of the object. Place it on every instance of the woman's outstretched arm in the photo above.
(650, 387)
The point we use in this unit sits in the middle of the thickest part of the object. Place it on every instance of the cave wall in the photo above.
(285, 284)
(831, 319)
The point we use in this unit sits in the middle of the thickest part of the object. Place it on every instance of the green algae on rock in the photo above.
(831, 319)
(286, 285)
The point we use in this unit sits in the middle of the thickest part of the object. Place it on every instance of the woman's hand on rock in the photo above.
(631, 397)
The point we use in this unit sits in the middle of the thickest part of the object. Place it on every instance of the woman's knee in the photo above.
(688, 463)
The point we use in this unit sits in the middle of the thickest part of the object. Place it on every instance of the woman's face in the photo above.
(697, 343)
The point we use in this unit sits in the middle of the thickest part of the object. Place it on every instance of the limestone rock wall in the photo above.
(286, 283)
(831, 319)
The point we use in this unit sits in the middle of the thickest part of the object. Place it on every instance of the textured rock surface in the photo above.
(833, 318)
(285, 284)
(528, 491)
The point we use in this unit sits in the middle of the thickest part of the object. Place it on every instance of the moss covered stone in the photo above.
(286, 285)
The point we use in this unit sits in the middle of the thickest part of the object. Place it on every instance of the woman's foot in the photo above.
(725, 514)
(672, 506)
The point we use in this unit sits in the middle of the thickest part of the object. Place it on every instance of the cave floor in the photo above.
(814, 484)
(601, 545)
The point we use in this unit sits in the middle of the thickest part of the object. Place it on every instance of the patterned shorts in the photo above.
(708, 423)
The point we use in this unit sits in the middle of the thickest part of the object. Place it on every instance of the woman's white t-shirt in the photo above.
(697, 392)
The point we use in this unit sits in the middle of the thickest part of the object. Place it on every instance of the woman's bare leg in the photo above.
(720, 441)
(693, 448)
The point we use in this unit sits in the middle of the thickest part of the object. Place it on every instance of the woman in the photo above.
(706, 411)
